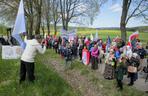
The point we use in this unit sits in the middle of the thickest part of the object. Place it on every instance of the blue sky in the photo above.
(110, 14)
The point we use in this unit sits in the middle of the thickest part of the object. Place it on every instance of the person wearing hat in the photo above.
(27, 59)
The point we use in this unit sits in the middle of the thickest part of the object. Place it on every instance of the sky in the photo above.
(110, 14)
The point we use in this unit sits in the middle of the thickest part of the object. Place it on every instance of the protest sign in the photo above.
(68, 34)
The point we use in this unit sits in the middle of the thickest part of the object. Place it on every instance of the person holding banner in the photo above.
(27, 59)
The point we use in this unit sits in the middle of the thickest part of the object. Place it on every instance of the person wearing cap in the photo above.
(27, 59)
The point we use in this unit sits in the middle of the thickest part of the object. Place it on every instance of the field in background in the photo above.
(112, 33)
(87, 31)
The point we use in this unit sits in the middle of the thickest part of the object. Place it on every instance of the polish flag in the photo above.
(134, 35)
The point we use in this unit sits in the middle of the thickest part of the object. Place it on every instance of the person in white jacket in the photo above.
(27, 59)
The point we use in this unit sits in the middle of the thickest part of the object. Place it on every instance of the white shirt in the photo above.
(32, 47)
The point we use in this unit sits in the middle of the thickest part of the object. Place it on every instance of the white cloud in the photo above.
(116, 8)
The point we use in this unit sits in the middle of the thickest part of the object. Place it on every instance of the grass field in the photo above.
(48, 82)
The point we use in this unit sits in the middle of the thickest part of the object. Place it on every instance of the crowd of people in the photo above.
(9, 40)
(119, 58)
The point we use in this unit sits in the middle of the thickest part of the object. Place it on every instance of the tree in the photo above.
(29, 14)
(55, 8)
(47, 14)
(9, 10)
(38, 8)
(130, 9)
(70, 9)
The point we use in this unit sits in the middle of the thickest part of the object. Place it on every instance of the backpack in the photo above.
(68, 54)
(145, 69)
(141, 53)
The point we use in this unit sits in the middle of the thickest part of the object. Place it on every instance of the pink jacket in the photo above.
(95, 52)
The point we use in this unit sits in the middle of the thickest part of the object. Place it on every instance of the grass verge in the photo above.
(47, 83)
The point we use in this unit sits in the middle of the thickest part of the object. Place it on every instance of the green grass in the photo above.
(47, 83)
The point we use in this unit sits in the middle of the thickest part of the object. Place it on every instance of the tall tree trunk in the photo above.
(123, 31)
(48, 26)
(37, 31)
(125, 8)
(39, 9)
(30, 33)
(66, 25)
(43, 30)
(30, 19)
(55, 28)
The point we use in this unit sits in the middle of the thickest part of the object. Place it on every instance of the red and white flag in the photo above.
(85, 56)
(134, 35)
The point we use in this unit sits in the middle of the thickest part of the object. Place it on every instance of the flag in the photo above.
(91, 37)
(129, 44)
(108, 40)
(134, 35)
(108, 43)
(86, 39)
(85, 56)
(19, 26)
(96, 36)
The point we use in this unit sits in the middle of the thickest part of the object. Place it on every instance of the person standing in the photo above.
(27, 59)
(109, 65)
(94, 57)
(120, 71)
(133, 65)
(81, 46)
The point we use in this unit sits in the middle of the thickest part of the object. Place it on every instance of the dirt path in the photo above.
(76, 80)
(91, 84)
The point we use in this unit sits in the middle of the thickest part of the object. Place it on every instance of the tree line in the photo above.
(40, 14)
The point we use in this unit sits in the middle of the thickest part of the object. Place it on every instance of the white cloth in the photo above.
(128, 51)
(32, 47)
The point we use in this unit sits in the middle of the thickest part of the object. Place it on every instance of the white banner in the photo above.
(11, 52)
(68, 34)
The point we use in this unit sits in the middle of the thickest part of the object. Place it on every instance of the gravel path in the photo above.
(79, 82)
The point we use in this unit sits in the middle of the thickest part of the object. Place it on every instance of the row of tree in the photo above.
(40, 14)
